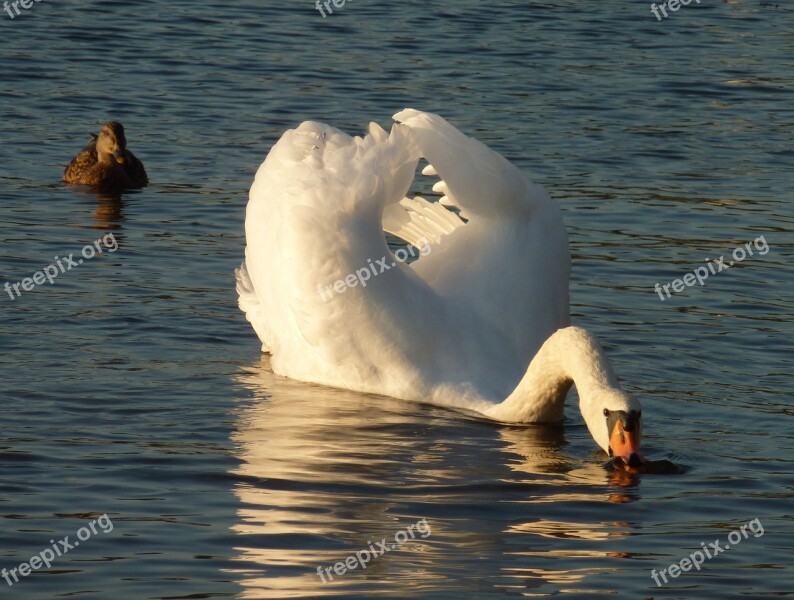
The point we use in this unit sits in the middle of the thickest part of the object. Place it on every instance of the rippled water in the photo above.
(133, 386)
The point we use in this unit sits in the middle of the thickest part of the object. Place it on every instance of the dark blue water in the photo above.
(133, 387)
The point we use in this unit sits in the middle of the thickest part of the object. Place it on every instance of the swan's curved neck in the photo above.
(569, 356)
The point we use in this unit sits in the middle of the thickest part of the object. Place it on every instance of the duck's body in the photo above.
(459, 325)
(106, 163)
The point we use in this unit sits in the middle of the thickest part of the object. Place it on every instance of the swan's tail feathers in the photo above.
(249, 303)
(420, 222)
(474, 178)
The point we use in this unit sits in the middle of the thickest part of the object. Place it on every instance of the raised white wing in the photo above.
(329, 290)
(334, 305)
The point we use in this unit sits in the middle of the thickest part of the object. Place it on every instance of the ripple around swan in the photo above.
(132, 385)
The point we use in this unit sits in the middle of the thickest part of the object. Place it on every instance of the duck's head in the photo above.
(615, 421)
(111, 143)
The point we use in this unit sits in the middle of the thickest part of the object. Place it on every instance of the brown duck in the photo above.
(106, 163)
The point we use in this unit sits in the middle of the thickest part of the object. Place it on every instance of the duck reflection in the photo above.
(323, 472)
(108, 207)
(109, 212)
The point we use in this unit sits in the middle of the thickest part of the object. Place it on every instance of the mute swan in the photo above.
(459, 325)
(106, 163)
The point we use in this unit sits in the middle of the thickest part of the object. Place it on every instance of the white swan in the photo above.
(459, 325)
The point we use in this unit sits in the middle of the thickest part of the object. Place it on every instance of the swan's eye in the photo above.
(606, 412)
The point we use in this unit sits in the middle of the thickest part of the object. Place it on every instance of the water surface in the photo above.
(134, 387)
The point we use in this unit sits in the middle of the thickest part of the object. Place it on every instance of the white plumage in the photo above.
(460, 325)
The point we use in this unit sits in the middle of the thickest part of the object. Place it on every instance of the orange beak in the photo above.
(626, 445)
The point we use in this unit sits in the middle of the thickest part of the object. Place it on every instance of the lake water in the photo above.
(134, 388)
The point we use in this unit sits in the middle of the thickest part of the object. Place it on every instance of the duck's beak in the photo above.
(626, 445)
(118, 154)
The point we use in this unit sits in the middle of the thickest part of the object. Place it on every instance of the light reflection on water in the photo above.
(324, 472)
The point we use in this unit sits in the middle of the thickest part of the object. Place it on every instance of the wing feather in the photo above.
(314, 237)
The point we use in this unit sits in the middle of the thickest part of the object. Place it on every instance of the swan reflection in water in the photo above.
(323, 472)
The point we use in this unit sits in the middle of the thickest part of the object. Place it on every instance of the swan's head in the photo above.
(111, 142)
(615, 421)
